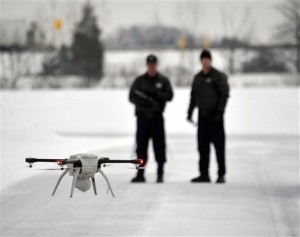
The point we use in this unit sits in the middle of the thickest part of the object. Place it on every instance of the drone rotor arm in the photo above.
(31, 160)
(101, 161)
(60, 162)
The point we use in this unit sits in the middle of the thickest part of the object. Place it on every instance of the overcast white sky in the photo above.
(123, 13)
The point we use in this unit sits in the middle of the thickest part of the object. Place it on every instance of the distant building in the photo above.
(22, 33)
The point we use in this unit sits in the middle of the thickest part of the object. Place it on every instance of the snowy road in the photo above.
(261, 197)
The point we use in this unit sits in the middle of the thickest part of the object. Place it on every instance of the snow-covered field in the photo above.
(260, 199)
(121, 67)
(60, 123)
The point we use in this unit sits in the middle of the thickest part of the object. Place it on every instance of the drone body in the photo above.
(83, 167)
(88, 170)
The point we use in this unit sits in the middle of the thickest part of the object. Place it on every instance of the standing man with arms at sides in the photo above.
(210, 91)
(149, 93)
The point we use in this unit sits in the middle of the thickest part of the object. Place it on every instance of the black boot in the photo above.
(160, 174)
(221, 179)
(140, 178)
(201, 179)
(160, 179)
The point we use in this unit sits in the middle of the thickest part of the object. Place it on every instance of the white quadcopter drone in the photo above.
(83, 167)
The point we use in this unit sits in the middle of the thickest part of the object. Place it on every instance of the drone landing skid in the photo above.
(94, 185)
(108, 183)
(75, 177)
(58, 181)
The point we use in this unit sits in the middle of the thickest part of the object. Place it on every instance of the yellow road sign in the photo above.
(182, 42)
(58, 25)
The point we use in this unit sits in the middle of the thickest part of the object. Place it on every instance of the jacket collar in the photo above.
(155, 77)
(212, 69)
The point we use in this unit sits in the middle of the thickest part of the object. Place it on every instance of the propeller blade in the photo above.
(136, 168)
(50, 169)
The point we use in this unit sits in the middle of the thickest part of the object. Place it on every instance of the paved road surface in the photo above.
(261, 197)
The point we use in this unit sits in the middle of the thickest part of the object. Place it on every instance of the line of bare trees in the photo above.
(289, 30)
(238, 33)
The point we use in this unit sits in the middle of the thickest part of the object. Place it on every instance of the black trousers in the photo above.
(211, 130)
(151, 128)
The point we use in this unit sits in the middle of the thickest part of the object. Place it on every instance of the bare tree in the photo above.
(288, 31)
(103, 12)
(238, 33)
(188, 14)
(12, 62)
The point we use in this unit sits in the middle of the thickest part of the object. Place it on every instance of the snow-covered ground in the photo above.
(60, 123)
(260, 199)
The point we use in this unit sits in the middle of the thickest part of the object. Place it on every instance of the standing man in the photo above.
(210, 91)
(149, 93)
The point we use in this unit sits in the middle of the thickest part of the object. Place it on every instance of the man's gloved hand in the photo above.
(155, 104)
(145, 103)
(189, 118)
(154, 93)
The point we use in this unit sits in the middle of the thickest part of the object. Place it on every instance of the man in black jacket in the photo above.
(149, 93)
(210, 92)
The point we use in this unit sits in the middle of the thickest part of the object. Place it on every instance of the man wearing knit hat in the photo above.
(210, 91)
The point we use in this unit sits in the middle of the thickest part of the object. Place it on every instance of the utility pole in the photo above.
(53, 17)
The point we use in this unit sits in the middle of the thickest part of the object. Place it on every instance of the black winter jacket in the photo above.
(150, 94)
(209, 93)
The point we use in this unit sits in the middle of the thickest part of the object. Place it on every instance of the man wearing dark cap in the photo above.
(210, 91)
(149, 93)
